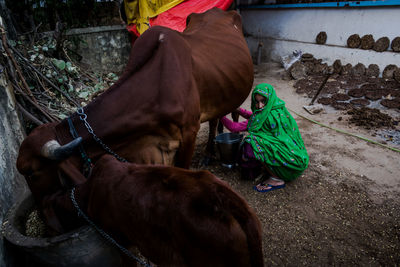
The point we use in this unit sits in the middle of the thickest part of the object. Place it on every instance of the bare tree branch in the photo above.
(28, 115)
(16, 66)
(45, 78)
(35, 104)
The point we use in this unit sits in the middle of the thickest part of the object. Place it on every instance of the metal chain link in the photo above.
(87, 162)
(83, 118)
(104, 234)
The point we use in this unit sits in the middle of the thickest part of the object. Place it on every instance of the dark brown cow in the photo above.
(175, 217)
(173, 82)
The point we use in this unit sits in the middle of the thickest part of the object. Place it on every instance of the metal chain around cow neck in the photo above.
(87, 162)
(83, 117)
(102, 233)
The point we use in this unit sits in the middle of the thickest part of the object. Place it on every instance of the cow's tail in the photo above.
(249, 223)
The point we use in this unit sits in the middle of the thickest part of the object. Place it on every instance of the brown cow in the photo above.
(175, 217)
(172, 82)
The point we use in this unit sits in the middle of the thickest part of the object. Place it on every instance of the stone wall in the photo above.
(103, 49)
(12, 184)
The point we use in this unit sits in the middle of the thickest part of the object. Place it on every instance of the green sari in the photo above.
(275, 137)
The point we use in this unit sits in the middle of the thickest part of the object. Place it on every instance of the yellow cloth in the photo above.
(139, 12)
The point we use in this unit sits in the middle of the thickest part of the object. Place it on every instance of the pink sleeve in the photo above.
(245, 113)
(234, 127)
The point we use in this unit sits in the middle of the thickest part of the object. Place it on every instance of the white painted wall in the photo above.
(284, 30)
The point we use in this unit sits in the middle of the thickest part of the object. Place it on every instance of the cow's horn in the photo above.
(54, 151)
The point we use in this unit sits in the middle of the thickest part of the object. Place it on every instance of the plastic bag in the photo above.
(288, 60)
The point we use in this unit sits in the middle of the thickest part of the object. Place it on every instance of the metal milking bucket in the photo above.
(228, 147)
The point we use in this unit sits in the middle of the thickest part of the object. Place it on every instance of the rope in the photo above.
(344, 132)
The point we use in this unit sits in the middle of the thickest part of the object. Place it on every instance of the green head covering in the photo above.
(272, 102)
(275, 137)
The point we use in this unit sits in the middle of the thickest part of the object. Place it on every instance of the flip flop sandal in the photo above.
(269, 187)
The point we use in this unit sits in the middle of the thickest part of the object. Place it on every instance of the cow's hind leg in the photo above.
(220, 127)
(235, 115)
(235, 118)
(215, 125)
(210, 149)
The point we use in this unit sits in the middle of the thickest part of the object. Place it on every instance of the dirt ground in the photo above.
(344, 210)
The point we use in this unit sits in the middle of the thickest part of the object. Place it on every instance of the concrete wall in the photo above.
(12, 185)
(103, 49)
(284, 30)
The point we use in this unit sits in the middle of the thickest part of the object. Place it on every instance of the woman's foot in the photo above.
(272, 183)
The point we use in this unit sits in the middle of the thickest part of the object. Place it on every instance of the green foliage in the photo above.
(12, 43)
(59, 63)
(81, 85)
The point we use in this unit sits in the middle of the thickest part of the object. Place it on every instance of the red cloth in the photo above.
(175, 18)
